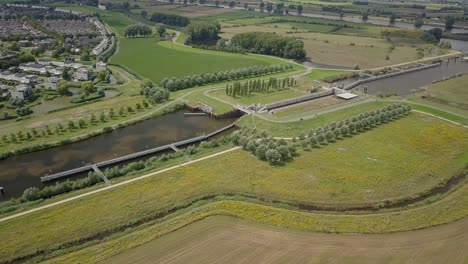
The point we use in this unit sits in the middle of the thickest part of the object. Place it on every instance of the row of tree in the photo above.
(330, 132)
(138, 30)
(70, 125)
(170, 19)
(202, 33)
(174, 83)
(258, 86)
(265, 148)
(270, 44)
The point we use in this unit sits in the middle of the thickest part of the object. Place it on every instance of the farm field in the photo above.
(237, 240)
(423, 150)
(157, 61)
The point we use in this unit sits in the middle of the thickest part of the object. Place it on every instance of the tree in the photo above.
(85, 56)
(273, 157)
(365, 16)
(262, 6)
(392, 19)
(329, 135)
(246, 6)
(66, 74)
(144, 14)
(161, 30)
(269, 7)
(449, 22)
(88, 87)
(232, 4)
(62, 88)
(299, 9)
(102, 75)
(344, 130)
(418, 23)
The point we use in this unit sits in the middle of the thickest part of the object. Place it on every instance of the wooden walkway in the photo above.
(132, 156)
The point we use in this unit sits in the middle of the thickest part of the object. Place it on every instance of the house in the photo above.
(33, 67)
(101, 66)
(4, 91)
(82, 74)
(44, 61)
(24, 43)
(51, 83)
(22, 91)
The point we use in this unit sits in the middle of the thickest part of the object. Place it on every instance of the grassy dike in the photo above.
(423, 150)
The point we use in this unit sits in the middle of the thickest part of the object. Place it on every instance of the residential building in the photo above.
(51, 83)
(22, 91)
(82, 74)
(101, 66)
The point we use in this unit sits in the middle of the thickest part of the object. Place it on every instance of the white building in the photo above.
(82, 74)
(101, 66)
(51, 83)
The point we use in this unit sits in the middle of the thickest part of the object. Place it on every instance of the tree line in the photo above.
(170, 19)
(175, 83)
(356, 124)
(258, 86)
(270, 44)
(202, 33)
(137, 30)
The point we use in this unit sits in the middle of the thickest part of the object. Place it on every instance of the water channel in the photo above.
(410, 82)
(20, 172)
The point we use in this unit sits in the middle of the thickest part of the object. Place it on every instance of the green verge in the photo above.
(395, 160)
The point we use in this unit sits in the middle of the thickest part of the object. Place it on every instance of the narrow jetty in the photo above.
(102, 164)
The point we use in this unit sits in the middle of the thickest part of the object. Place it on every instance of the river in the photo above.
(20, 172)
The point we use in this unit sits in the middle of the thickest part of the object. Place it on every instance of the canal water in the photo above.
(410, 82)
(20, 172)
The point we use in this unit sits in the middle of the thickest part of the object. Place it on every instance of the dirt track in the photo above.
(229, 240)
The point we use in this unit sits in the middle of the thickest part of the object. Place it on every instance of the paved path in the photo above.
(116, 185)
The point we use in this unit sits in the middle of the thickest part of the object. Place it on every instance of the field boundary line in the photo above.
(445, 119)
(117, 185)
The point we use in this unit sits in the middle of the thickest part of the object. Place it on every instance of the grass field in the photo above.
(451, 94)
(240, 241)
(157, 61)
(291, 129)
(395, 160)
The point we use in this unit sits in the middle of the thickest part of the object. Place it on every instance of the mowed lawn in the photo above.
(398, 159)
(157, 61)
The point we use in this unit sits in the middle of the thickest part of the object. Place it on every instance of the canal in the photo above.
(410, 82)
(20, 172)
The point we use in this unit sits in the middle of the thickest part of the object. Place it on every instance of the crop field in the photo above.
(157, 60)
(395, 160)
(223, 238)
(451, 94)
